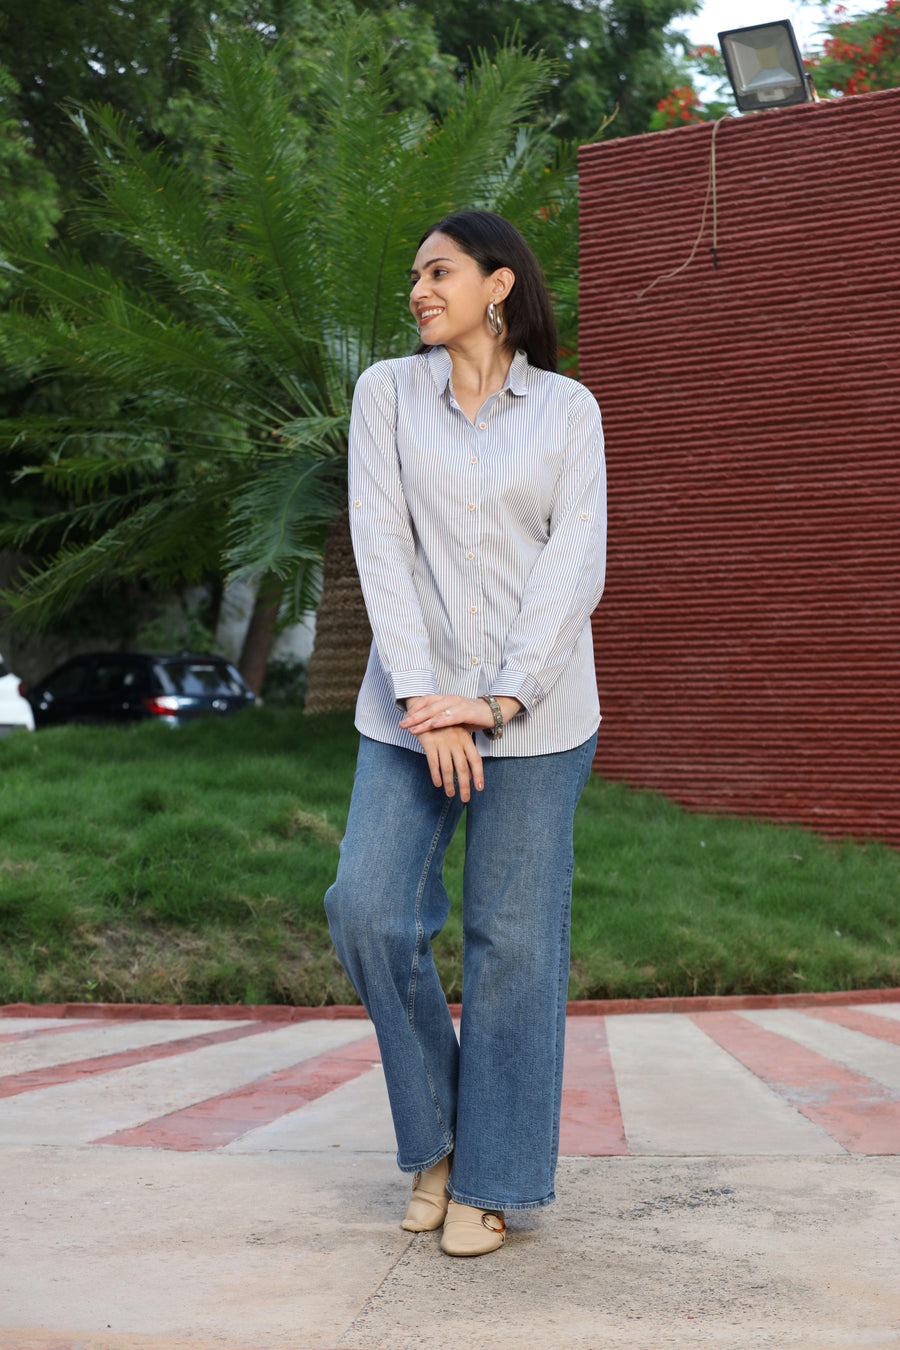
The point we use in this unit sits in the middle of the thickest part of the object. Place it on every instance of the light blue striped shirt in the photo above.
(481, 547)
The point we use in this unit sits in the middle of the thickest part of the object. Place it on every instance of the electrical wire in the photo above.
(710, 195)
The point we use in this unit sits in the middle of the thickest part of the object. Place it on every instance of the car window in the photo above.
(112, 677)
(199, 677)
(66, 682)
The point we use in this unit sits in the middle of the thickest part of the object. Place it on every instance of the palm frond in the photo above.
(281, 519)
(211, 369)
(151, 203)
(163, 539)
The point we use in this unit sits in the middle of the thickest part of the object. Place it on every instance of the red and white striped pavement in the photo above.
(101, 1092)
(806, 1080)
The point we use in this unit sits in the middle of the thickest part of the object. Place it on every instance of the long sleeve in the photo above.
(383, 538)
(566, 582)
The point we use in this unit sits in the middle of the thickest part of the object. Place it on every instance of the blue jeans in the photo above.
(492, 1098)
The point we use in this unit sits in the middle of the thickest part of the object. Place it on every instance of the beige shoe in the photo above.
(472, 1232)
(430, 1199)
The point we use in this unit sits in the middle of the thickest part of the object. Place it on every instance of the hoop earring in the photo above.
(495, 319)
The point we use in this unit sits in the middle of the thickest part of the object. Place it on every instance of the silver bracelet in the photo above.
(496, 731)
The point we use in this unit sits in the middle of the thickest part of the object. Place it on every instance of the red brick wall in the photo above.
(748, 645)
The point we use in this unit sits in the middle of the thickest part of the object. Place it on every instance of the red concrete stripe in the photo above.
(219, 1120)
(220, 1012)
(14, 1083)
(90, 1025)
(280, 1012)
(884, 1028)
(859, 1113)
(609, 1007)
(591, 1124)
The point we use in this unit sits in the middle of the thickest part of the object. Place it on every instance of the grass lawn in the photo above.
(144, 864)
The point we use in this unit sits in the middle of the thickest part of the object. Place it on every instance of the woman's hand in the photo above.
(434, 712)
(453, 759)
(443, 725)
(443, 728)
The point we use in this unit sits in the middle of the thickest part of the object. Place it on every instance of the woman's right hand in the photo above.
(452, 758)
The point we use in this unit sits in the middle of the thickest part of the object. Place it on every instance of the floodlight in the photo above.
(765, 66)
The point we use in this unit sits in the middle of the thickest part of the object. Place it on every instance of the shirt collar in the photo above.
(441, 367)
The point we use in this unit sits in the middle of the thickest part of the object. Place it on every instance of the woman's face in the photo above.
(450, 294)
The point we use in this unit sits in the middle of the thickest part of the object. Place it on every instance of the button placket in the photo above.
(474, 597)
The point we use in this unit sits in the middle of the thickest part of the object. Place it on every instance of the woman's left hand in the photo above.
(433, 712)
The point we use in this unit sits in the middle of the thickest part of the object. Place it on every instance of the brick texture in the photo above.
(748, 645)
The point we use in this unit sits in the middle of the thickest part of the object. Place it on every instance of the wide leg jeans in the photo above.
(492, 1098)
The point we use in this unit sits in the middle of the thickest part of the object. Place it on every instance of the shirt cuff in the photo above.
(518, 684)
(413, 684)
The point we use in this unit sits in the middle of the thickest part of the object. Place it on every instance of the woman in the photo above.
(477, 506)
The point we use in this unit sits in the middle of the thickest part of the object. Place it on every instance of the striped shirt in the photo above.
(480, 546)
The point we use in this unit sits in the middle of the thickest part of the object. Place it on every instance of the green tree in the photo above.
(141, 58)
(858, 54)
(610, 53)
(217, 348)
(28, 192)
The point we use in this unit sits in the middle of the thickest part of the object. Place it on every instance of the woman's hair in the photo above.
(527, 313)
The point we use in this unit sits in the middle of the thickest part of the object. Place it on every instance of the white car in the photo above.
(15, 711)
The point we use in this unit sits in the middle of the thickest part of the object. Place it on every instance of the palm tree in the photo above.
(211, 367)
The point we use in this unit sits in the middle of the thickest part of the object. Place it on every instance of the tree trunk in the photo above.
(260, 632)
(213, 608)
(343, 635)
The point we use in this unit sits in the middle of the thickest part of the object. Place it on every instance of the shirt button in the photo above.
(584, 515)
(474, 459)
(357, 503)
(470, 555)
(482, 425)
(474, 660)
(473, 610)
(471, 506)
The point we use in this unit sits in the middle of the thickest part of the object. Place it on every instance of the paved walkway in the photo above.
(729, 1179)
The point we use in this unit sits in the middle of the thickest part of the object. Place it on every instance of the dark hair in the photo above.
(527, 313)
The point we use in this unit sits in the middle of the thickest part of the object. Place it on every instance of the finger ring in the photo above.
(447, 712)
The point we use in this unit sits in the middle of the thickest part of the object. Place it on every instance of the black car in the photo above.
(128, 686)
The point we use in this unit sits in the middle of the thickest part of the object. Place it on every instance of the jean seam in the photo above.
(414, 970)
(560, 1040)
(564, 964)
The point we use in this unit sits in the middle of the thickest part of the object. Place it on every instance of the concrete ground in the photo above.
(729, 1179)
